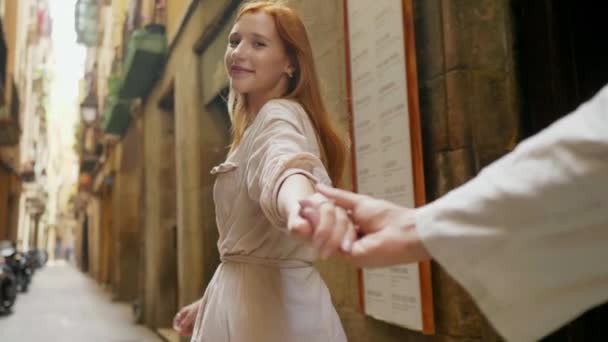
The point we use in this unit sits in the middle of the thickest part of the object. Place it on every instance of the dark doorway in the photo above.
(561, 57)
(562, 61)
(85, 244)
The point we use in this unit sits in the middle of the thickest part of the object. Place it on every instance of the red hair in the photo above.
(303, 87)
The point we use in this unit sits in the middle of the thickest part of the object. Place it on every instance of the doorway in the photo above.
(560, 56)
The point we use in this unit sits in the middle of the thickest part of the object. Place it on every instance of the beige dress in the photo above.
(266, 289)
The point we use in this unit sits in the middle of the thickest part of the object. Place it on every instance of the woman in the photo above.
(266, 289)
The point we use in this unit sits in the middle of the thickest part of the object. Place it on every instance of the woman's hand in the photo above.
(326, 225)
(183, 322)
(332, 228)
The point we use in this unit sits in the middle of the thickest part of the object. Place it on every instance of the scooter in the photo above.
(18, 263)
(37, 258)
(8, 286)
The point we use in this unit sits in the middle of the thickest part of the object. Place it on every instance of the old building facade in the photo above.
(24, 85)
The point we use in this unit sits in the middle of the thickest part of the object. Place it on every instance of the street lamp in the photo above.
(88, 109)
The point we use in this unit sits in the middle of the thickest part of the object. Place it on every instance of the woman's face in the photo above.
(255, 58)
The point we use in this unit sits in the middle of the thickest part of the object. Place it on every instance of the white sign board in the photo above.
(383, 156)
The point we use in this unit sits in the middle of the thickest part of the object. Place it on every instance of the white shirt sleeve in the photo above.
(528, 237)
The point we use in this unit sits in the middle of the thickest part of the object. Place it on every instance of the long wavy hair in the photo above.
(303, 87)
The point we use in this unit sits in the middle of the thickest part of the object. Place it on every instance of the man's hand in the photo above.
(388, 231)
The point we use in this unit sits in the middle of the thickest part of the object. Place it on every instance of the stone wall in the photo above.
(94, 232)
(469, 116)
(197, 233)
(126, 216)
(160, 284)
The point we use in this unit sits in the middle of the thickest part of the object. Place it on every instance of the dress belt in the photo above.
(252, 260)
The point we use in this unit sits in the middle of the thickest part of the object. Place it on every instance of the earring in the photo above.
(290, 74)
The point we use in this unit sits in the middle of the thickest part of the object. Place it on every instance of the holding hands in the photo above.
(387, 232)
(323, 223)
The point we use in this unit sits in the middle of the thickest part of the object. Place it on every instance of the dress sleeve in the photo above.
(284, 144)
(528, 237)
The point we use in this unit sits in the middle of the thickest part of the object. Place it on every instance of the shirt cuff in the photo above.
(441, 241)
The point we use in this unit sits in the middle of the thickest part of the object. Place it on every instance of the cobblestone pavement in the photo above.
(64, 305)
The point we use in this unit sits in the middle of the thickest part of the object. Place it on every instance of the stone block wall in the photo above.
(126, 216)
(470, 117)
(160, 275)
(201, 142)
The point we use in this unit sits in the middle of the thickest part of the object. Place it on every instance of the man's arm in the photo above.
(528, 236)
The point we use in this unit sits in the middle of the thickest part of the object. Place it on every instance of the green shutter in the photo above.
(117, 116)
(146, 53)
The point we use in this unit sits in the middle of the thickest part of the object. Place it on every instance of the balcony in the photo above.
(86, 22)
(117, 116)
(146, 52)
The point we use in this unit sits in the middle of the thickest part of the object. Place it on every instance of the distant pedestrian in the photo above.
(58, 248)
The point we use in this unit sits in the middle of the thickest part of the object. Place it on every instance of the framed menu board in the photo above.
(387, 149)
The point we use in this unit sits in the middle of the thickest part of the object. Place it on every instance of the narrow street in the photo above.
(63, 304)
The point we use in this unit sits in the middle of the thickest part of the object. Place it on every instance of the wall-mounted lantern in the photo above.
(88, 109)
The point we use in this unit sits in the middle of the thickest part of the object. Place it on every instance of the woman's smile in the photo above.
(239, 71)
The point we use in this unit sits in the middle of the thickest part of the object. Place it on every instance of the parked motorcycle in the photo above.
(18, 263)
(8, 286)
(37, 258)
